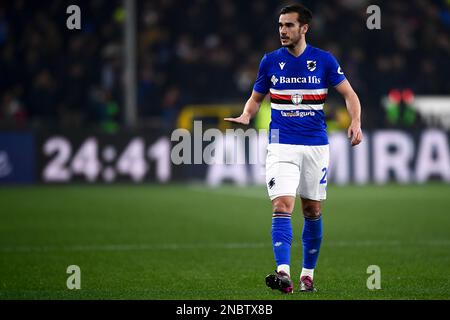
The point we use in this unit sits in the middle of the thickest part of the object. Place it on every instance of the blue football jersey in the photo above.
(298, 87)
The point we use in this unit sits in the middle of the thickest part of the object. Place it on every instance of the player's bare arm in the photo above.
(250, 110)
(354, 109)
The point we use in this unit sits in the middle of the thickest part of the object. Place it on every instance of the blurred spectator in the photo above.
(11, 111)
(171, 105)
(42, 99)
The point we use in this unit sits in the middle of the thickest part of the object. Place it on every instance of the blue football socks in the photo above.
(281, 237)
(312, 237)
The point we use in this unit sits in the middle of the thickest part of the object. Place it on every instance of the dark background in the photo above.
(196, 52)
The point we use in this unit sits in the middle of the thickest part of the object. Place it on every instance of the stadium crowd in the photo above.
(202, 51)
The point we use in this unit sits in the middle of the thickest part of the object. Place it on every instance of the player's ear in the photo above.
(304, 28)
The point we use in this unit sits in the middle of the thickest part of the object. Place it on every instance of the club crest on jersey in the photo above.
(296, 98)
(311, 65)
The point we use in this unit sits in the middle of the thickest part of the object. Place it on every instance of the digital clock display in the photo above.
(95, 159)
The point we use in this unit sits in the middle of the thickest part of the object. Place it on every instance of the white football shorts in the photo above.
(293, 170)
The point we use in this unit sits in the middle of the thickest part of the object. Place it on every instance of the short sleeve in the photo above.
(335, 75)
(262, 84)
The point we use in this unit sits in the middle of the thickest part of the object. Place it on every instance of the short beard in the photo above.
(291, 45)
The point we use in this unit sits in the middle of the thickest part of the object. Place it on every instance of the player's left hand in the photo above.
(354, 133)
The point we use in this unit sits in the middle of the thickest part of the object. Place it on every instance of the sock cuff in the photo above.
(285, 215)
(314, 219)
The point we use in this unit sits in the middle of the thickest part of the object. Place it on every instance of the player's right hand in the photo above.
(242, 119)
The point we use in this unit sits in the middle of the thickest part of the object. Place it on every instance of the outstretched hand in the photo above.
(242, 119)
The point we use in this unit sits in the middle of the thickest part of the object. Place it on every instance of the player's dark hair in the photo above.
(304, 14)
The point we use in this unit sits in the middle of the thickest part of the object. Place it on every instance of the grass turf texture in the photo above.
(192, 242)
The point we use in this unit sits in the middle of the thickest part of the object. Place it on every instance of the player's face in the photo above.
(290, 29)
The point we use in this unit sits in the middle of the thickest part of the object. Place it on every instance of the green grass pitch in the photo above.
(193, 242)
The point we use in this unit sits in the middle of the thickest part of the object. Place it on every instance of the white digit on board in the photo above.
(56, 170)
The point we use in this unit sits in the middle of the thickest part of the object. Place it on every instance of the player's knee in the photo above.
(312, 211)
(282, 205)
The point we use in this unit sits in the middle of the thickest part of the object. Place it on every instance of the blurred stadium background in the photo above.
(86, 177)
